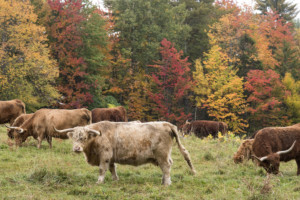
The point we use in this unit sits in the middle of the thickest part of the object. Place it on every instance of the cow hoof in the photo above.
(115, 178)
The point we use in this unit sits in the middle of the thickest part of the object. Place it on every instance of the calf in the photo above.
(106, 143)
(244, 152)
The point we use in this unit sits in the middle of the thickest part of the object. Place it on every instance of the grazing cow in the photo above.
(41, 124)
(244, 152)
(106, 143)
(17, 123)
(202, 128)
(10, 110)
(117, 114)
(274, 144)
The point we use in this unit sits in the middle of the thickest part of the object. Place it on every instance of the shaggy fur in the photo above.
(269, 141)
(117, 114)
(41, 124)
(244, 151)
(17, 123)
(202, 128)
(10, 110)
(128, 143)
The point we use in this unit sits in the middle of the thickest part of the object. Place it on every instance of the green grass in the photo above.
(31, 173)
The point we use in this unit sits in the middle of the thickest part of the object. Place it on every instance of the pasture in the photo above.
(58, 173)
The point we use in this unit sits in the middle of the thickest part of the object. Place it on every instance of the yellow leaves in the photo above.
(27, 72)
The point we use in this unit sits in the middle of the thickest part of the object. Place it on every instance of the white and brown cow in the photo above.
(106, 143)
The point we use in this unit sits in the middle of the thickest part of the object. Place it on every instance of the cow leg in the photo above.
(165, 166)
(112, 169)
(40, 139)
(102, 170)
(298, 165)
(49, 140)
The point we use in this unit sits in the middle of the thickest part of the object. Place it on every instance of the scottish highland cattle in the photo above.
(17, 123)
(244, 151)
(106, 143)
(117, 114)
(10, 110)
(274, 144)
(203, 128)
(41, 124)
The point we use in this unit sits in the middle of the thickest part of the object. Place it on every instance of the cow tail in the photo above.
(183, 151)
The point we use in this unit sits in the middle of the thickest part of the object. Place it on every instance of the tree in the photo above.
(64, 27)
(286, 10)
(141, 24)
(171, 84)
(219, 90)
(26, 70)
(95, 52)
(293, 99)
(201, 14)
(267, 94)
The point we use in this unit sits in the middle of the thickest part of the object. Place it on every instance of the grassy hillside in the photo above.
(58, 173)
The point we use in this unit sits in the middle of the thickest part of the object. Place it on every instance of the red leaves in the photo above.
(171, 83)
(66, 41)
(266, 96)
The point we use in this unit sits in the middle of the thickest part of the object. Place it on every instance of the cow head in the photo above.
(186, 129)
(80, 136)
(18, 133)
(271, 162)
(244, 151)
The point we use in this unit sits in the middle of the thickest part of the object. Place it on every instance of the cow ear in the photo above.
(70, 134)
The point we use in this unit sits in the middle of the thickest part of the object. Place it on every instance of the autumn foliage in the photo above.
(171, 83)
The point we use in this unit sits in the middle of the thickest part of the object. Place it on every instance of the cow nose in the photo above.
(77, 149)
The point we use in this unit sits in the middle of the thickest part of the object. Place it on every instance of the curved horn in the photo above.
(20, 130)
(94, 131)
(64, 130)
(288, 150)
(260, 159)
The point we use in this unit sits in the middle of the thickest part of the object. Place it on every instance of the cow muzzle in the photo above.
(77, 149)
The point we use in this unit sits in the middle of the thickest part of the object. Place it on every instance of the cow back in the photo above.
(273, 139)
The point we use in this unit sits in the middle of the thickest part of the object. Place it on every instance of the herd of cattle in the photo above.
(106, 137)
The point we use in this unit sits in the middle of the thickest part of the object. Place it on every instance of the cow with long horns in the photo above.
(41, 124)
(17, 123)
(274, 144)
(106, 143)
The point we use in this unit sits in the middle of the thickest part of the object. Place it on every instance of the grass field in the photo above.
(58, 173)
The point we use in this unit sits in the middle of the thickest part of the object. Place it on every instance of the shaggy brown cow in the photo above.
(17, 123)
(202, 128)
(117, 114)
(41, 124)
(10, 110)
(244, 152)
(274, 144)
(106, 143)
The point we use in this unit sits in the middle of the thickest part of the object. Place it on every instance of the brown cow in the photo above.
(244, 152)
(17, 123)
(202, 128)
(106, 143)
(10, 110)
(117, 114)
(274, 144)
(41, 124)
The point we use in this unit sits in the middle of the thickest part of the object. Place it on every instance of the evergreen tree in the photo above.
(286, 10)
